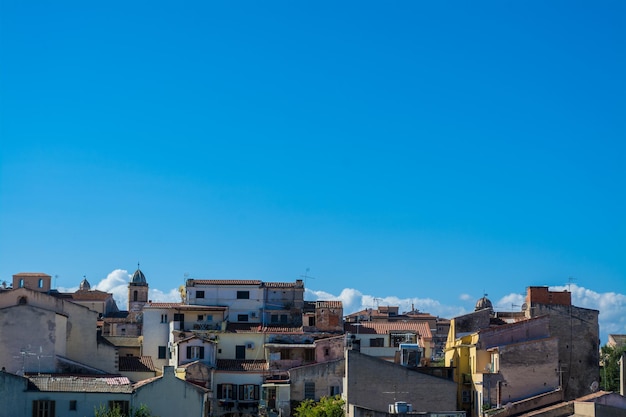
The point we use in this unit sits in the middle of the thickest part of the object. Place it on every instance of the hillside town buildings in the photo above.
(237, 348)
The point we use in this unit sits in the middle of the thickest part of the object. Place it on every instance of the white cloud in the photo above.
(510, 302)
(353, 300)
(465, 297)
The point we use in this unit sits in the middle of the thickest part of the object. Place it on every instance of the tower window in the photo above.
(135, 295)
(40, 282)
(21, 282)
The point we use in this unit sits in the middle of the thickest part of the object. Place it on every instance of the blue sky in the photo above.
(404, 152)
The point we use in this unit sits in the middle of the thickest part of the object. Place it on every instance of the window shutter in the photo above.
(235, 389)
(256, 392)
(201, 352)
(241, 393)
(52, 404)
(219, 391)
(188, 352)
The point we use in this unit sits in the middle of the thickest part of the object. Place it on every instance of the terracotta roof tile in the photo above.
(246, 365)
(91, 295)
(181, 306)
(63, 383)
(328, 304)
(283, 284)
(162, 305)
(282, 329)
(136, 364)
(224, 282)
(374, 327)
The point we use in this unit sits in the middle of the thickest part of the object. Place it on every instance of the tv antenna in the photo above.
(377, 301)
(24, 352)
(570, 280)
(306, 276)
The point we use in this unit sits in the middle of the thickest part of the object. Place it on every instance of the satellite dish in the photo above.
(594, 386)
(524, 307)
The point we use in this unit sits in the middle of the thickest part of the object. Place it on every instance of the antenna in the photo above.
(570, 280)
(377, 301)
(24, 352)
(306, 276)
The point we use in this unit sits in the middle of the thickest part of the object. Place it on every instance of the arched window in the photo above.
(21, 282)
(22, 300)
(135, 295)
(40, 282)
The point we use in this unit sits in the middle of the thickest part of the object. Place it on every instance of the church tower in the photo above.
(137, 291)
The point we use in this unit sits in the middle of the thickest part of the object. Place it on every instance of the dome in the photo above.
(84, 285)
(483, 303)
(138, 278)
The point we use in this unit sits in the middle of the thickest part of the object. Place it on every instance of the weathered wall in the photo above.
(28, 337)
(513, 333)
(578, 333)
(374, 383)
(324, 375)
(526, 369)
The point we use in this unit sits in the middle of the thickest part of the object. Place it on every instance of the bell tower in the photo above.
(137, 291)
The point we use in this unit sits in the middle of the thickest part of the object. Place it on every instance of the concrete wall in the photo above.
(324, 375)
(374, 383)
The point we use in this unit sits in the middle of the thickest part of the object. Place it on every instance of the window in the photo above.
(326, 351)
(162, 352)
(40, 283)
(227, 391)
(311, 321)
(135, 295)
(200, 317)
(377, 342)
(283, 318)
(335, 390)
(242, 317)
(199, 294)
(43, 408)
(240, 352)
(243, 295)
(195, 352)
(209, 317)
(21, 283)
(309, 390)
(274, 318)
(397, 338)
(309, 355)
(122, 406)
(248, 392)
(465, 396)
(163, 318)
(72, 405)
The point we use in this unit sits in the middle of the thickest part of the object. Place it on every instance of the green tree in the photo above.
(326, 407)
(609, 369)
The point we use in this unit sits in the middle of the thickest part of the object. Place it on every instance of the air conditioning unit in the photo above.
(250, 345)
